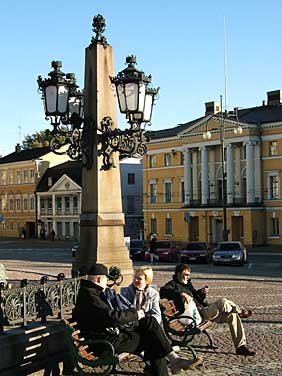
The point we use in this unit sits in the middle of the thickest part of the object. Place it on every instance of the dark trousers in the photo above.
(150, 338)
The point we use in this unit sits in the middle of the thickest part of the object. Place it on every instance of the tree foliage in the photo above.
(36, 140)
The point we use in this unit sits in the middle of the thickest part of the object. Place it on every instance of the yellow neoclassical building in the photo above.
(190, 181)
(20, 172)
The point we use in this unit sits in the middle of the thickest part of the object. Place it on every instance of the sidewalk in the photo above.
(263, 329)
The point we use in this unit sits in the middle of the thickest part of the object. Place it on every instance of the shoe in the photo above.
(245, 313)
(243, 350)
(180, 364)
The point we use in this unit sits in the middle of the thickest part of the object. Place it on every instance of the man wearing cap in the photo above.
(103, 314)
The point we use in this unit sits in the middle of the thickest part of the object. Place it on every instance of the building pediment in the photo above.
(65, 183)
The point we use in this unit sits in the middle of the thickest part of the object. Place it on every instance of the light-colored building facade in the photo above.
(58, 197)
(20, 172)
(59, 200)
(183, 177)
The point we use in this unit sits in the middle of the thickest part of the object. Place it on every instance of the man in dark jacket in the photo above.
(103, 314)
(181, 290)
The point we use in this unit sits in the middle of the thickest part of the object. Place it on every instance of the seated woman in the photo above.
(141, 294)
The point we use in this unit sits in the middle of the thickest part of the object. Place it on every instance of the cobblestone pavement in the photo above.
(261, 294)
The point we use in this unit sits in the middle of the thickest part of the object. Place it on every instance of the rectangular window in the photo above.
(67, 229)
(182, 158)
(131, 178)
(182, 192)
(67, 205)
(130, 204)
(167, 192)
(32, 203)
(168, 226)
(274, 187)
(25, 176)
(152, 161)
(11, 177)
(18, 204)
(152, 193)
(154, 225)
(2, 177)
(25, 203)
(18, 177)
(11, 203)
(59, 205)
(3, 201)
(31, 176)
(49, 205)
(273, 148)
(11, 225)
(75, 202)
(42, 203)
(274, 230)
(167, 159)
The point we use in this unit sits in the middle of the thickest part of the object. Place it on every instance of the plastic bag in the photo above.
(191, 310)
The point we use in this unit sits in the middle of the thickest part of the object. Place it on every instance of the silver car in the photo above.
(229, 253)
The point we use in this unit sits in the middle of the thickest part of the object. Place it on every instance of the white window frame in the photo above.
(152, 183)
(165, 182)
(168, 226)
(273, 150)
(152, 161)
(270, 177)
(274, 225)
(18, 201)
(25, 203)
(167, 159)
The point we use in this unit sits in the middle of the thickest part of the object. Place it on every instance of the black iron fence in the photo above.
(42, 299)
(32, 301)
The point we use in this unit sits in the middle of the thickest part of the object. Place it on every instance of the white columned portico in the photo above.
(258, 193)
(250, 172)
(205, 178)
(195, 174)
(212, 174)
(230, 174)
(237, 172)
(187, 177)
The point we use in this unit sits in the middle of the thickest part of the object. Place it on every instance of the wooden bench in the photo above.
(83, 360)
(179, 333)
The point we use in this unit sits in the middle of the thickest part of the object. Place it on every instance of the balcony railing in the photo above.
(218, 203)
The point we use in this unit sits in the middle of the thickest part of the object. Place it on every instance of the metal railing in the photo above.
(42, 299)
(37, 300)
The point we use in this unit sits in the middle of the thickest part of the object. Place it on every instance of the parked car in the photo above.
(166, 250)
(230, 253)
(196, 251)
(137, 249)
(74, 249)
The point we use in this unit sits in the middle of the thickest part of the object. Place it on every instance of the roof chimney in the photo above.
(18, 148)
(274, 98)
(212, 108)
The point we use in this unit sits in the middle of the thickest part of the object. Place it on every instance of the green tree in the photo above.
(36, 140)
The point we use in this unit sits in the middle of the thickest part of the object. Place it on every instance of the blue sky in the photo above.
(180, 43)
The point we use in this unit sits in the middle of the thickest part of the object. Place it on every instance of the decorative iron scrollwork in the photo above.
(128, 142)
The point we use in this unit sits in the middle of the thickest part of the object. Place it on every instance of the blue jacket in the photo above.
(151, 305)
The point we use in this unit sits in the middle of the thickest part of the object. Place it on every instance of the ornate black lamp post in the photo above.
(84, 127)
(63, 105)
